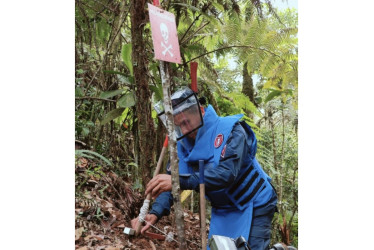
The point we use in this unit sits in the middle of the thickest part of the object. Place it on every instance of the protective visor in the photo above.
(186, 112)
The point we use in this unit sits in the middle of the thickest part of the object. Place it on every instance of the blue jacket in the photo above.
(234, 181)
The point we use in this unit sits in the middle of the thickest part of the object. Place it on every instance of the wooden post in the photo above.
(202, 206)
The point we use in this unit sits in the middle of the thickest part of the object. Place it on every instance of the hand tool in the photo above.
(145, 207)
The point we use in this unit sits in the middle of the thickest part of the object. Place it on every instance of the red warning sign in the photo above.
(164, 35)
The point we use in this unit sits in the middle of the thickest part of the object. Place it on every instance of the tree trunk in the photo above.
(173, 154)
(248, 89)
(145, 126)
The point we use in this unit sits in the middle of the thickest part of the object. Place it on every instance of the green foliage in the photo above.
(96, 172)
(126, 56)
(272, 95)
(157, 90)
(112, 115)
(122, 76)
(242, 101)
(111, 93)
(91, 155)
(226, 107)
(127, 100)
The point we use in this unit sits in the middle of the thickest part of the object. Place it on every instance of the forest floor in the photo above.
(105, 205)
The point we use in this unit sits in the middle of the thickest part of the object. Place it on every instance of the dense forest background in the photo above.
(38, 111)
(247, 54)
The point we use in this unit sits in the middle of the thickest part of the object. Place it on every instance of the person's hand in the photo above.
(160, 183)
(151, 218)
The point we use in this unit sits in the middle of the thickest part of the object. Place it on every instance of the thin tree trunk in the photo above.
(179, 222)
(145, 124)
(248, 88)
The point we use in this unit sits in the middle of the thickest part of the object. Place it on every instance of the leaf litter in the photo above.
(105, 205)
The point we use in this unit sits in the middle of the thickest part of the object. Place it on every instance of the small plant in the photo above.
(91, 155)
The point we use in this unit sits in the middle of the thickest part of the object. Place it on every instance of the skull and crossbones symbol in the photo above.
(165, 36)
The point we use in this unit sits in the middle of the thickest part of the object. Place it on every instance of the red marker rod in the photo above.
(193, 66)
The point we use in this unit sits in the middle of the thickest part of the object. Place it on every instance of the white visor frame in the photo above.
(189, 105)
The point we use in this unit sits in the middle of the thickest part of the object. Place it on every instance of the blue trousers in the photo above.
(259, 237)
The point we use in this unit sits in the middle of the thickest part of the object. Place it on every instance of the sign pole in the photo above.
(166, 47)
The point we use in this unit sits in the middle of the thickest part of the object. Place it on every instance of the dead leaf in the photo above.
(83, 248)
(87, 237)
(88, 196)
(78, 233)
(82, 162)
(113, 248)
(98, 237)
(105, 224)
(79, 210)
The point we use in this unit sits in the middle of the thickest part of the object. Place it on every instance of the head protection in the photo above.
(186, 112)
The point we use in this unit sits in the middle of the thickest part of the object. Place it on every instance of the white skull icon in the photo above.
(165, 35)
(164, 32)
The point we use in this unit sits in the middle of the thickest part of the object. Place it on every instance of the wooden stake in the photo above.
(202, 206)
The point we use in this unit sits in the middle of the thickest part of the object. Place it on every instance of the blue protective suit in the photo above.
(234, 181)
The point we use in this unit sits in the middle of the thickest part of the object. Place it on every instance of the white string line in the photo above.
(167, 236)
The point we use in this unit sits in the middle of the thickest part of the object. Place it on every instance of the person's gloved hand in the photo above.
(151, 218)
(159, 184)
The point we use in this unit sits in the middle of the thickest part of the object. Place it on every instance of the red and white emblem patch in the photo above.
(223, 151)
(218, 141)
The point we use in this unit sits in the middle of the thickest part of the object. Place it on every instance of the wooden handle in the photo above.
(202, 217)
(157, 170)
(202, 205)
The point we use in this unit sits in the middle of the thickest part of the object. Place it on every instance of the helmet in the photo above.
(186, 112)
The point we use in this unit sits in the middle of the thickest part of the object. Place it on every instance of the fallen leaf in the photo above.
(79, 210)
(98, 237)
(78, 233)
(83, 248)
(105, 224)
(87, 237)
(88, 196)
(82, 162)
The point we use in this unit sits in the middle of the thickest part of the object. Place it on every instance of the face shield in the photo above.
(186, 112)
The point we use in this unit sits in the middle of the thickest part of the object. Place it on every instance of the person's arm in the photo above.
(161, 206)
(215, 178)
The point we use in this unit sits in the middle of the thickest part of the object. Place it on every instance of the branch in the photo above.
(93, 98)
(185, 33)
(187, 39)
(234, 46)
(110, 43)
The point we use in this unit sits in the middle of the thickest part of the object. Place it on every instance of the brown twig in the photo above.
(110, 43)
(185, 33)
(190, 37)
